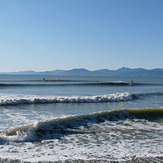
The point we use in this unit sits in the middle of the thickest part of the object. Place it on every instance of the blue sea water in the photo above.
(58, 118)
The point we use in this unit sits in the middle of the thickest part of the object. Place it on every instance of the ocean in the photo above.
(80, 119)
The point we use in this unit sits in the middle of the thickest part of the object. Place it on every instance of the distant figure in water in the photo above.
(132, 82)
(43, 79)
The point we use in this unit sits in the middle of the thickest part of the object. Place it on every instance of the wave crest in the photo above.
(31, 99)
(59, 127)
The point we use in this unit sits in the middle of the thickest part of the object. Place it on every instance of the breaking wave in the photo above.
(17, 99)
(8, 99)
(60, 127)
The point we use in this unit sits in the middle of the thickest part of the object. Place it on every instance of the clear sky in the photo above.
(45, 35)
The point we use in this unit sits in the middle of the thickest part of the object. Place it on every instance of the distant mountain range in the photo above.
(128, 72)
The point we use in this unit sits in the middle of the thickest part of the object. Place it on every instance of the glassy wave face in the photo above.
(82, 120)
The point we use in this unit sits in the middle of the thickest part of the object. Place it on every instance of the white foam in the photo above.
(15, 99)
(121, 141)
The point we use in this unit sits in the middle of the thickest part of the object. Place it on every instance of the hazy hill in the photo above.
(137, 72)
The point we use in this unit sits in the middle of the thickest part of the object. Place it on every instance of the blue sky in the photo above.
(45, 35)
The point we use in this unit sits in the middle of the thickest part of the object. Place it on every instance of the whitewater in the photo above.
(31, 99)
(80, 119)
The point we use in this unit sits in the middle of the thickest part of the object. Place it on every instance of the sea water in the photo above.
(72, 118)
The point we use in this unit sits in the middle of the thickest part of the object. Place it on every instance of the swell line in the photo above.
(70, 83)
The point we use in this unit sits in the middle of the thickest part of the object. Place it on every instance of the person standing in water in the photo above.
(132, 82)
